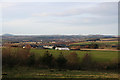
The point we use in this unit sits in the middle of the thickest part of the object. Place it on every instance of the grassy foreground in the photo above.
(37, 72)
(27, 72)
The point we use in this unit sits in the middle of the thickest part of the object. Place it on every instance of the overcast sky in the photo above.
(52, 18)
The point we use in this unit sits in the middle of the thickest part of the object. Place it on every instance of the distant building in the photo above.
(30, 46)
(34, 46)
(40, 47)
(60, 48)
(48, 47)
(27, 46)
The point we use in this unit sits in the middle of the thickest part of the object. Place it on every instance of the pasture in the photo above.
(99, 56)
(97, 42)
(25, 71)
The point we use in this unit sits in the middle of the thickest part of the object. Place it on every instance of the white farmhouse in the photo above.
(24, 47)
(60, 48)
(49, 47)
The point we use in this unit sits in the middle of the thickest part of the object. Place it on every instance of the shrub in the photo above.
(94, 46)
(31, 60)
(22, 55)
(72, 60)
(14, 56)
(47, 59)
(61, 61)
(87, 62)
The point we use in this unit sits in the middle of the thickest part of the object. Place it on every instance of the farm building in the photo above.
(48, 47)
(27, 46)
(61, 48)
(30, 46)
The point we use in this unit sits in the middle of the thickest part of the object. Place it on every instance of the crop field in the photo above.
(99, 56)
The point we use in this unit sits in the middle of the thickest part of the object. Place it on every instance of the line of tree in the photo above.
(23, 57)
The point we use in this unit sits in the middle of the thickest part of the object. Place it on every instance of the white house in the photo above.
(60, 48)
(49, 47)
(24, 47)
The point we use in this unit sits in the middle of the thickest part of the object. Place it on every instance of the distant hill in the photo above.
(48, 38)
(8, 35)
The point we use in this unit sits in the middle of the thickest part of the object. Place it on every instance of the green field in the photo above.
(38, 72)
(100, 43)
(99, 56)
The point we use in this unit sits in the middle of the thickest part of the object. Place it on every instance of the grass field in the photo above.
(99, 56)
(31, 72)
(25, 72)
(98, 42)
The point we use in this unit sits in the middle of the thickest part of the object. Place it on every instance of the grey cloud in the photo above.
(102, 9)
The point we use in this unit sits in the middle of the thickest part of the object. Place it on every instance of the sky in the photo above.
(60, 18)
